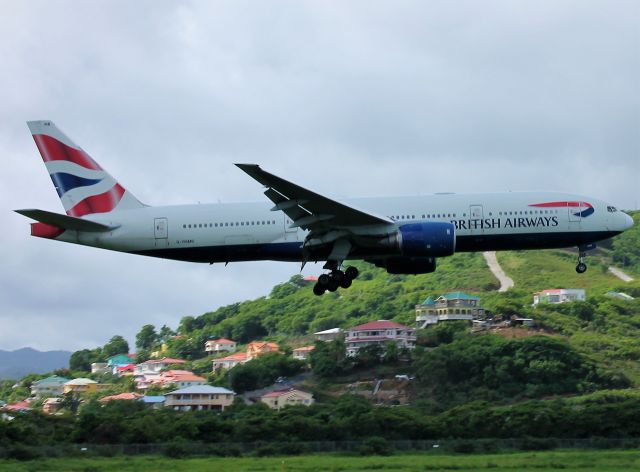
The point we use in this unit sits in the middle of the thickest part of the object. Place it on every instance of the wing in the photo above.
(309, 210)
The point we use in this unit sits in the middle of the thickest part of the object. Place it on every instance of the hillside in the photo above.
(16, 364)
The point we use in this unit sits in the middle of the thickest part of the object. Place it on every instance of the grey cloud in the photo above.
(356, 98)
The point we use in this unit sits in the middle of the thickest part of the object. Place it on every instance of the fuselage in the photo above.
(251, 231)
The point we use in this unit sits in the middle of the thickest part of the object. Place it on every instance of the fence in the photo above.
(263, 448)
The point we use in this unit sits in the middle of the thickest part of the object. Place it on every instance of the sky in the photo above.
(357, 98)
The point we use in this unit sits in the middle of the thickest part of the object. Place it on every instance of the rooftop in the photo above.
(458, 296)
(53, 379)
(222, 341)
(81, 381)
(330, 331)
(121, 396)
(380, 324)
(279, 393)
(202, 390)
(165, 360)
(304, 349)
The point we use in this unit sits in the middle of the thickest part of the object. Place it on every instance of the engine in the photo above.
(433, 239)
(407, 265)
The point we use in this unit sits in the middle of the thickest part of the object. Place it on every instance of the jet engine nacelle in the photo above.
(431, 239)
(408, 265)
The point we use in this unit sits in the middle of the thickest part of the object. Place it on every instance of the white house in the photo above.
(220, 345)
(302, 353)
(155, 366)
(328, 334)
(279, 399)
(559, 295)
(379, 332)
(52, 386)
(199, 397)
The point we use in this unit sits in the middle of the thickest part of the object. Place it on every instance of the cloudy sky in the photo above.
(355, 98)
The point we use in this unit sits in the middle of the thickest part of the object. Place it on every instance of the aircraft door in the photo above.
(476, 215)
(161, 231)
(575, 212)
(290, 234)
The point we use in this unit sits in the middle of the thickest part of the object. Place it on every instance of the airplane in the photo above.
(404, 235)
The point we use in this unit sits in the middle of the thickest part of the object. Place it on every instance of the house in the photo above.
(518, 321)
(379, 332)
(100, 368)
(328, 334)
(51, 386)
(81, 385)
(450, 307)
(559, 295)
(199, 397)
(302, 353)
(257, 349)
(231, 361)
(220, 345)
(619, 295)
(121, 396)
(120, 359)
(18, 406)
(281, 398)
(180, 378)
(52, 405)
(155, 402)
(124, 370)
(155, 366)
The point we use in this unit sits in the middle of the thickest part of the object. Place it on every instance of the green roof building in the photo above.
(452, 306)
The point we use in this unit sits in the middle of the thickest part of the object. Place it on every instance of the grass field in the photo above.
(567, 461)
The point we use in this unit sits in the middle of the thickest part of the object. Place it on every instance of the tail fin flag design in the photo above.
(83, 186)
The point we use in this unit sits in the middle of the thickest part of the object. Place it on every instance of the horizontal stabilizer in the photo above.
(64, 221)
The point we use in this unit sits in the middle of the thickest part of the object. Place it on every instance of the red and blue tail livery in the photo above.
(82, 185)
(404, 235)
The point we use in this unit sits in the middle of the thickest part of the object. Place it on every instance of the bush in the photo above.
(23, 453)
(375, 446)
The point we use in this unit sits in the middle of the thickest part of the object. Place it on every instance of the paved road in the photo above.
(505, 282)
(621, 275)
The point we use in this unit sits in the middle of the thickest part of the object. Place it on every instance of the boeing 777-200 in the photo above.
(404, 235)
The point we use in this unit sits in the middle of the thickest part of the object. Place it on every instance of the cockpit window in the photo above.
(611, 209)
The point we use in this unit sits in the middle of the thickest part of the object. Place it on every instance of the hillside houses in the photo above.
(559, 295)
(452, 306)
(199, 397)
(216, 346)
(279, 399)
(52, 386)
(254, 350)
(379, 333)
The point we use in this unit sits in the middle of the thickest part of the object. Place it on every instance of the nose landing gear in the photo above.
(581, 268)
(334, 280)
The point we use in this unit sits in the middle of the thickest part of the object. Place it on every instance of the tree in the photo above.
(328, 358)
(146, 338)
(82, 360)
(165, 333)
(116, 345)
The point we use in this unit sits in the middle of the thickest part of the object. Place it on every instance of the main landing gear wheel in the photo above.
(336, 279)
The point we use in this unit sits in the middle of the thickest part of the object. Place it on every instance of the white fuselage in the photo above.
(250, 231)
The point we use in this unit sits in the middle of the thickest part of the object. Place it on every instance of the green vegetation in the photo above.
(574, 376)
(594, 461)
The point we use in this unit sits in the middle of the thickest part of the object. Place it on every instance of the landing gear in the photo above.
(581, 268)
(334, 280)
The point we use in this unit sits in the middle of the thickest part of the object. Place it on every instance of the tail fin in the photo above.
(82, 185)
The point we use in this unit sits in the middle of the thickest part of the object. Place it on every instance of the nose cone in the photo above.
(627, 222)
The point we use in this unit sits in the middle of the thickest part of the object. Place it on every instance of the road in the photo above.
(505, 282)
(621, 275)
